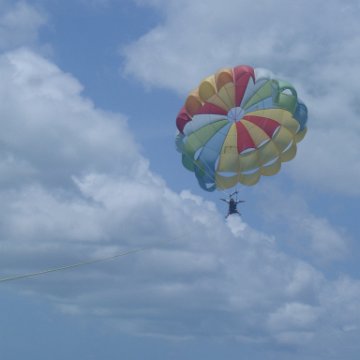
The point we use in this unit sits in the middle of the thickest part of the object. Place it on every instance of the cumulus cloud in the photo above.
(19, 24)
(293, 316)
(311, 235)
(318, 54)
(73, 136)
(195, 39)
(51, 138)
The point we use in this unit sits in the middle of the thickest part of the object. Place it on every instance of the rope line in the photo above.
(66, 267)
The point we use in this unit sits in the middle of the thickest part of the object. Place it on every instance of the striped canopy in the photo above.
(239, 124)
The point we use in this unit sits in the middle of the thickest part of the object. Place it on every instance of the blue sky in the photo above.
(90, 91)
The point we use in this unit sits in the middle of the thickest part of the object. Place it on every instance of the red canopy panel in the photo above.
(182, 119)
(242, 75)
(244, 140)
(267, 125)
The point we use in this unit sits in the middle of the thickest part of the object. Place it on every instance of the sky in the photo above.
(89, 94)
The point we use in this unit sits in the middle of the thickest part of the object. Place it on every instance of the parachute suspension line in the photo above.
(236, 192)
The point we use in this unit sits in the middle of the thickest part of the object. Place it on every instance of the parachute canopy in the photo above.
(239, 124)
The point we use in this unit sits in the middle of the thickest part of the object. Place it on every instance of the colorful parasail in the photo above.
(239, 124)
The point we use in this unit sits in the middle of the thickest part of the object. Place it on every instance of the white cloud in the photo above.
(19, 24)
(62, 135)
(305, 282)
(308, 233)
(50, 136)
(344, 291)
(195, 39)
(295, 315)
